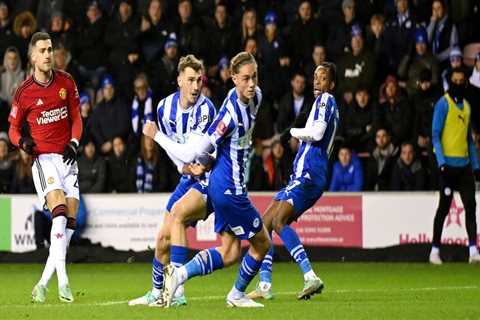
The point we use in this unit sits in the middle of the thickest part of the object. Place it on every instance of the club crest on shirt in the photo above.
(50, 180)
(63, 93)
(221, 128)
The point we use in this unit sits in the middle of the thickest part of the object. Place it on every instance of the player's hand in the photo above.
(197, 169)
(70, 153)
(27, 144)
(150, 129)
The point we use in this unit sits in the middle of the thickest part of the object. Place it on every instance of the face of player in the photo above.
(42, 55)
(246, 81)
(321, 82)
(407, 154)
(344, 156)
(190, 84)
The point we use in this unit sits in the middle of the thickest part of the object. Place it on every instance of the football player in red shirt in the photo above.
(48, 102)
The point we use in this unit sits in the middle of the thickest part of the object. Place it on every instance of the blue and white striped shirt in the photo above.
(231, 134)
(311, 155)
(180, 125)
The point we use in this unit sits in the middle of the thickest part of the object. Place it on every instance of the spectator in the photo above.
(304, 33)
(120, 169)
(188, 31)
(375, 42)
(456, 61)
(356, 67)
(6, 33)
(221, 36)
(258, 177)
(223, 83)
(408, 174)
(276, 167)
(142, 107)
(147, 168)
(6, 165)
(121, 38)
(340, 32)
(46, 9)
(249, 27)
(63, 61)
(473, 93)
(155, 30)
(319, 56)
(85, 113)
(24, 26)
(395, 113)
(22, 178)
(110, 118)
(163, 72)
(12, 75)
(412, 64)
(91, 170)
(275, 61)
(380, 165)
(293, 102)
(347, 172)
(90, 47)
(442, 33)
(356, 125)
(4, 112)
(60, 30)
(399, 34)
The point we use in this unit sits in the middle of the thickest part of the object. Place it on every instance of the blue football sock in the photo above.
(248, 270)
(204, 262)
(294, 246)
(157, 274)
(178, 255)
(266, 268)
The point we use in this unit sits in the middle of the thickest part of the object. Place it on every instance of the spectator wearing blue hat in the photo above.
(340, 32)
(456, 61)
(442, 32)
(110, 118)
(163, 72)
(356, 67)
(420, 58)
(276, 63)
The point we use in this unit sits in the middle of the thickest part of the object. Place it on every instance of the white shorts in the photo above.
(51, 173)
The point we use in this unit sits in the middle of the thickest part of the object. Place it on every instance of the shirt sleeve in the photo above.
(160, 117)
(221, 128)
(17, 114)
(74, 112)
(439, 116)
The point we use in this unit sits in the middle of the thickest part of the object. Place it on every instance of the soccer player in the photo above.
(235, 217)
(48, 102)
(183, 117)
(306, 186)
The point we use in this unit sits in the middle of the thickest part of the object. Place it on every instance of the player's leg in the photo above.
(161, 258)
(467, 193)
(263, 289)
(446, 195)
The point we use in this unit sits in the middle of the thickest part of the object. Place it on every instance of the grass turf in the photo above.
(353, 291)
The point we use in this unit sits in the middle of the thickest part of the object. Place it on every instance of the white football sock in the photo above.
(310, 275)
(235, 293)
(473, 250)
(435, 250)
(58, 248)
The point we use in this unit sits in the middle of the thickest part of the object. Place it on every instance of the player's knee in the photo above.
(278, 224)
(179, 213)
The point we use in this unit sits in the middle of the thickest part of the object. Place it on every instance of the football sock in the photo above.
(157, 277)
(204, 262)
(178, 255)
(248, 270)
(266, 268)
(58, 243)
(473, 250)
(294, 246)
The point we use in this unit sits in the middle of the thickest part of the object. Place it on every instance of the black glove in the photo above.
(476, 174)
(26, 144)
(70, 153)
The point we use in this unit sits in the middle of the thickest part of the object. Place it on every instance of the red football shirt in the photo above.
(51, 110)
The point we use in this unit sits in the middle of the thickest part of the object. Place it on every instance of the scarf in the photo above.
(145, 172)
(147, 112)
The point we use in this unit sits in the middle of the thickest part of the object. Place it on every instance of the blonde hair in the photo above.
(189, 61)
(240, 60)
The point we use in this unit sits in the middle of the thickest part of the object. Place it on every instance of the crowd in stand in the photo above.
(392, 57)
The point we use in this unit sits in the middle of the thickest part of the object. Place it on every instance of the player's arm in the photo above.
(439, 116)
(70, 150)
(315, 132)
(16, 117)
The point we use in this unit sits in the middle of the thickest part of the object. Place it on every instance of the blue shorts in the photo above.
(235, 213)
(301, 193)
(182, 188)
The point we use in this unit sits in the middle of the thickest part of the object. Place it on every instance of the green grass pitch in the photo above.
(353, 291)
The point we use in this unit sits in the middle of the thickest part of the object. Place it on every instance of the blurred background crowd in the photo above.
(392, 58)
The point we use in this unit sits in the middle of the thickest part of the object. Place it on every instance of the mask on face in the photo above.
(457, 91)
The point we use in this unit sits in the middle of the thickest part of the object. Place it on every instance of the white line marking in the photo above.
(283, 293)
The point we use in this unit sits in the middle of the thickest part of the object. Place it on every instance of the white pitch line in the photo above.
(284, 293)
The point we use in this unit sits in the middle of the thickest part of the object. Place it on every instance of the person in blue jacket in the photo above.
(347, 172)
